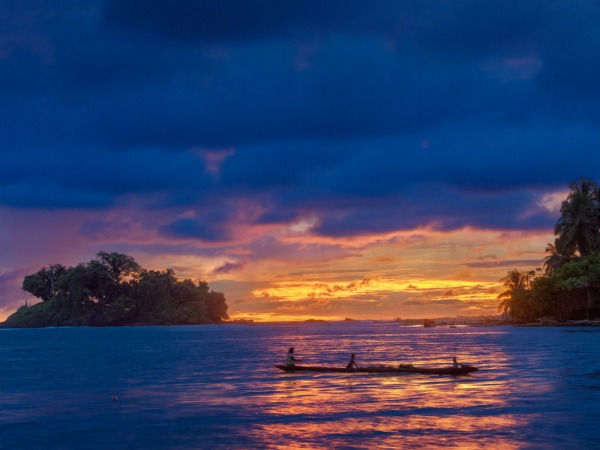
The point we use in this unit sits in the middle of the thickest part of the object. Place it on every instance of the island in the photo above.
(567, 289)
(112, 290)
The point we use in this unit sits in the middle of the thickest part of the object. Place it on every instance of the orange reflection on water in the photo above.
(372, 393)
(418, 431)
(390, 411)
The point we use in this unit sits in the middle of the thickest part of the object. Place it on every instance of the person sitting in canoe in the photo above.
(455, 363)
(291, 359)
(352, 364)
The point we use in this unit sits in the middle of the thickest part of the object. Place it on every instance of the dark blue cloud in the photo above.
(439, 206)
(39, 194)
(91, 178)
(232, 21)
(211, 225)
(436, 25)
(356, 81)
(367, 115)
(192, 228)
(277, 216)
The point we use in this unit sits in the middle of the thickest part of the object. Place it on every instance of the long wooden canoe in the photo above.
(463, 370)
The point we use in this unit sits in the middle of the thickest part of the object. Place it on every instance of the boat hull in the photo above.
(464, 370)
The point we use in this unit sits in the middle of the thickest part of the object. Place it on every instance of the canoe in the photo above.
(463, 370)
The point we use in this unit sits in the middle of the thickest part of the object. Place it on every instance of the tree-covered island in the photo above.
(112, 290)
(568, 287)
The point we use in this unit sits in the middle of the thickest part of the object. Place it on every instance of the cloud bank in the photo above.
(207, 128)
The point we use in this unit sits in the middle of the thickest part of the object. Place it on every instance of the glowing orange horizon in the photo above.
(275, 317)
(412, 274)
(297, 275)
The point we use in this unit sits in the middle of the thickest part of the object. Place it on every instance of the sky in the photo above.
(309, 159)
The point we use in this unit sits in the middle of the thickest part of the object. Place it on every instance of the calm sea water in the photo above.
(216, 387)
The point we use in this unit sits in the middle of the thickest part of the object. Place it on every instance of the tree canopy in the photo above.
(113, 289)
(569, 286)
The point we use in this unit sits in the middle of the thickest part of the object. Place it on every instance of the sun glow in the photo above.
(416, 274)
(276, 317)
(296, 291)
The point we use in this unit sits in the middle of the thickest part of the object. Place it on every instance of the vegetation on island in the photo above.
(568, 287)
(114, 289)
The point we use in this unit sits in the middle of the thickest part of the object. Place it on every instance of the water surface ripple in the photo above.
(216, 387)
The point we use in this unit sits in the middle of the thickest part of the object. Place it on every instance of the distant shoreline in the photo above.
(437, 323)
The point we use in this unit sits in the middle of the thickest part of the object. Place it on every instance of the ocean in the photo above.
(215, 387)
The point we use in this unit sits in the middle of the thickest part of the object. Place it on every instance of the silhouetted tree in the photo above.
(118, 265)
(217, 307)
(44, 283)
(114, 290)
(516, 299)
(578, 228)
(559, 254)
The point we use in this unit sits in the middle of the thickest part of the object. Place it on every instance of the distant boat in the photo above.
(429, 323)
(463, 370)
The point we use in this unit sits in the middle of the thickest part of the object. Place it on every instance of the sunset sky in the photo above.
(310, 159)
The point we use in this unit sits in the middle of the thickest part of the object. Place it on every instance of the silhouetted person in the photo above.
(455, 363)
(291, 359)
(352, 364)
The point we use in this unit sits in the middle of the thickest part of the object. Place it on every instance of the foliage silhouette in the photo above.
(569, 287)
(115, 290)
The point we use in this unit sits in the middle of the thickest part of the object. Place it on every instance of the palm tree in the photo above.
(516, 283)
(579, 224)
(558, 255)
